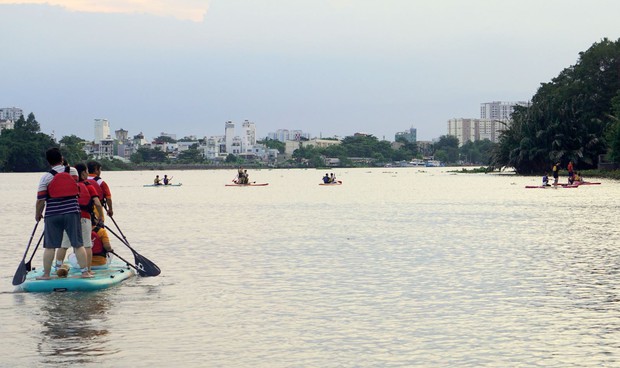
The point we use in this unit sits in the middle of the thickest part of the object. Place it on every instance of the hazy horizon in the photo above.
(327, 67)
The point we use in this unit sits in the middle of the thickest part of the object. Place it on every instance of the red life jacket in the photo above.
(62, 185)
(84, 199)
(95, 184)
(98, 249)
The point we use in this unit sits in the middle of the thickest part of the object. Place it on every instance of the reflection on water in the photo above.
(75, 328)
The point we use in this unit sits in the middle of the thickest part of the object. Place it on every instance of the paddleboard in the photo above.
(337, 182)
(248, 185)
(105, 277)
(162, 185)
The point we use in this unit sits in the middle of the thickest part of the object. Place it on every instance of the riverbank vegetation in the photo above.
(575, 117)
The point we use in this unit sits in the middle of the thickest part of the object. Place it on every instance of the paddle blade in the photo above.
(20, 274)
(145, 267)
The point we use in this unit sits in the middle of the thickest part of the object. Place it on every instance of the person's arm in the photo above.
(108, 202)
(39, 206)
(98, 206)
(105, 241)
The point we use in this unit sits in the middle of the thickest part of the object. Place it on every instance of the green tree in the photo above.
(568, 117)
(165, 139)
(72, 148)
(144, 154)
(23, 149)
(273, 144)
(447, 148)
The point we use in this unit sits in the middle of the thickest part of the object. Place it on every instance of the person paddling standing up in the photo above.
(556, 173)
(58, 195)
(103, 191)
(571, 172)
(88, 202)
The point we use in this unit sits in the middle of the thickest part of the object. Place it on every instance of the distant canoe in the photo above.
(550, 186)
(337, 182)
(162, 185)
(248, 185)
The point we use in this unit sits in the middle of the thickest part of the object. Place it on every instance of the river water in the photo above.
(396, 267)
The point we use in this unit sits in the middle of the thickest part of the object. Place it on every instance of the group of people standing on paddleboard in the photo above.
(572, 175)
(74, 199)
(242, 177)
(166, 180)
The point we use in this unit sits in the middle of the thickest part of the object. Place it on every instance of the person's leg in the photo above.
(48, 258)
(73, 226)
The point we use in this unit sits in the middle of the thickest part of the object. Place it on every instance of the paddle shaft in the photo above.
(28, 264)
(20, 273)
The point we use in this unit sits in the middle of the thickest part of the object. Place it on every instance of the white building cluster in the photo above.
(494, 118)
(215, 148)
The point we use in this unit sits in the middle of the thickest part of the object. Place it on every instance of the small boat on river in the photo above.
(247, 185)
(337, 182)
(163, 185)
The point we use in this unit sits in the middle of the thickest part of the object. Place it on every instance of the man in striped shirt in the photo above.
(57, 194)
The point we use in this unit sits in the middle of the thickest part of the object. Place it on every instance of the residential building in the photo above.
(284, 135)
(471, 130)
(499, 110)
(10, 113)
(102, 130)
(6, 124)
(248, 136)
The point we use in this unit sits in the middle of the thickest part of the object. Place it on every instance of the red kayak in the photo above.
(248, 185)
(337, 182)
(551, 186)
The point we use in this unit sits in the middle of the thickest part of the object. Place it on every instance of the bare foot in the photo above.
(86, 275)
(44, 277)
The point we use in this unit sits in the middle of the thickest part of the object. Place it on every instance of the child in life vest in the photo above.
(101, 246)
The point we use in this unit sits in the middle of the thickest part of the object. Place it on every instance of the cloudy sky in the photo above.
(327, 67)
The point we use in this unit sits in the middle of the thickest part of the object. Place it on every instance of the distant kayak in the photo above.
(105, 277)
(585, 183)
(337, 182)
(550, 186)
(248, 185)
(162, 185)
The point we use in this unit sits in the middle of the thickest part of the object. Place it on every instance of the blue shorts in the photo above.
(56, 225)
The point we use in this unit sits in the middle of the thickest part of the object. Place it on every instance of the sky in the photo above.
(327, 67)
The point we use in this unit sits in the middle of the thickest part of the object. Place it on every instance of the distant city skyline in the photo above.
(327, 67)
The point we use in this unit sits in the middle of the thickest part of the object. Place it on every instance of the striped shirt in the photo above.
(57, 206)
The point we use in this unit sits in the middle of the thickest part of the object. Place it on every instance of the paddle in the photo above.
(144, 266)
(29, 263)
(126, 261)
(20, 273)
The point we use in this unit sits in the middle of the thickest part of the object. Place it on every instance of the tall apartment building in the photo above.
(11, 113)
(471, 130)
(284, 135)
(102, 130)
(248, 136)
(499, 110)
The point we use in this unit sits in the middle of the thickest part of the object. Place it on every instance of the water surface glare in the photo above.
(396, 267)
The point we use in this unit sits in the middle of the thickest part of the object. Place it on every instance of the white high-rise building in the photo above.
(229, 134)
(499, 110)
(248, 136)
(471, 130)
(11, 113)
(102, 130)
